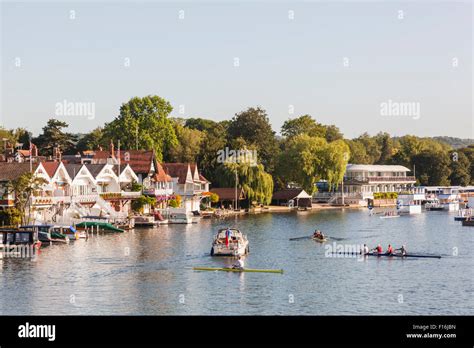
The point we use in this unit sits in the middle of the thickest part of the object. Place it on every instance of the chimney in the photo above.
(111, 149)
(34, 151)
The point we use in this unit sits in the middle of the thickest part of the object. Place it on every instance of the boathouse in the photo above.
(227, 196)
(294, 197)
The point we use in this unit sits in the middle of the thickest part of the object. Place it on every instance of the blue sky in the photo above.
(284, 63)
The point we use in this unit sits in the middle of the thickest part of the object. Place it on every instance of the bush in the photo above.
(214, 198)
(139, 204)
(385, 195)
(10, 217)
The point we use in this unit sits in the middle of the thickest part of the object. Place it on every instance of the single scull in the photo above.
(238, 270)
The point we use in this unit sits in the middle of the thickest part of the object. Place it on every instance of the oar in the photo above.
(304, 237)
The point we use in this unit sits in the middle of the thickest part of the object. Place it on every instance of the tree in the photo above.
(200, 124)
(460, 169)
(256, 183)
(214, 139)
(23, 136)
(372, 148)
(336, 156)
(10, 217)
(432, 168)
(188, 145)
(385, 144)
(302, 160)
(469, 153)
(307, 125)
(253, 126)
(358, 152)
(92, 140)
(54, 136)
(143, 124)
(306, 160)
(6, 137)
(23, 189)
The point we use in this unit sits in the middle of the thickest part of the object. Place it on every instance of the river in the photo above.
(147, 271)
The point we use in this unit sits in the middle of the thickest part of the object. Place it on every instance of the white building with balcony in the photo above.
(188, 183)
(366, 179)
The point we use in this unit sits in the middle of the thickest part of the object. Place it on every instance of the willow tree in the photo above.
(308, 159)
(302, 160)
(336, 157)
(256, 183)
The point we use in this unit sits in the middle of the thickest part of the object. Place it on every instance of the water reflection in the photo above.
(148, 271)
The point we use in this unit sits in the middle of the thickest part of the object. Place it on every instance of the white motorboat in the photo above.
(180, 218)
(235, 244)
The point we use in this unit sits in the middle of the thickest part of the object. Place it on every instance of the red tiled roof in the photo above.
(202, 178)
(228, 193)
(139, 160)
(160, 175)
(24, 153)
(50, 167)
(11, 171)
(177, 170)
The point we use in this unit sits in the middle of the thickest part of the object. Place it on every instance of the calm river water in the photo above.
(146, 271)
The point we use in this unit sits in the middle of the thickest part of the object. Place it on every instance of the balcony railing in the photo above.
(393, 179)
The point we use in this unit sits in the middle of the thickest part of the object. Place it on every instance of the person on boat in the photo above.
(378, 249)
(227, 236)
(239, 263)
(364, 250)
(318, 234)
(390, 249)
(402, 250)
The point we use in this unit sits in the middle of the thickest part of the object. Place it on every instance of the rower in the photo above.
(364, 250)
(403, 250)
(390, 249)
(317, 234)
(378, 249)
(239, 264)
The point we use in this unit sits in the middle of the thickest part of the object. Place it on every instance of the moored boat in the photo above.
(232, 243)
(105, 226)
(23, 242)
(180, 218)
(48, 234)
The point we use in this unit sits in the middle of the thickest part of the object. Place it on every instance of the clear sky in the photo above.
(287, 60)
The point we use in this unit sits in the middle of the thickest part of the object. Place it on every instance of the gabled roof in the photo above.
(50, 167)
(203, 179)
(160, 174)
(139, 160)
(228, 193)
(95, 169)
(73, 169)
(11, 171)
(288, 194)
(177, 170)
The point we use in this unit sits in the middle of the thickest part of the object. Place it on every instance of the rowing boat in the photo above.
(238, 270)
(390, 255)
(319, 240)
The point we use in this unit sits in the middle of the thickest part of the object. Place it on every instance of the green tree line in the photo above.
(306, 151)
